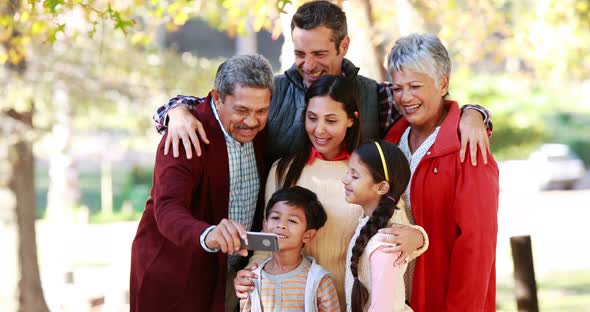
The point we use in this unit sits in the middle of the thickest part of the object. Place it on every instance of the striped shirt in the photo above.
(286, 292)
(243, 181)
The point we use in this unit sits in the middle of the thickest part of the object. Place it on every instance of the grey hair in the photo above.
(244, 70)
(422, 53)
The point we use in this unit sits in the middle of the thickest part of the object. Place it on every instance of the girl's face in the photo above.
(326, 123)
(359, 186)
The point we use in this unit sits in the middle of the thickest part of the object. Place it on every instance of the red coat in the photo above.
(170, 271)
(457, 204)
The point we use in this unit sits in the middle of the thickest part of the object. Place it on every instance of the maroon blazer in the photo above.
(170, 271)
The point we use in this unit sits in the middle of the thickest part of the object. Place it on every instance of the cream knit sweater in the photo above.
(330, 245)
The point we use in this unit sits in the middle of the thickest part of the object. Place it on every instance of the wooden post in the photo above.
(525, 285)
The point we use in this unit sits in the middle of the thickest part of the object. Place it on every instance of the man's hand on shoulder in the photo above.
(405, 238)
(182, 125)
(473, 133)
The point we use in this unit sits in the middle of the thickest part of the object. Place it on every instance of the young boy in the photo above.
(289, 281)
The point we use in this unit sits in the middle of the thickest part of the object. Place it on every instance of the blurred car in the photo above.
(557, 166)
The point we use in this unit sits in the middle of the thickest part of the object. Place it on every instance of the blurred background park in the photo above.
(80, 80)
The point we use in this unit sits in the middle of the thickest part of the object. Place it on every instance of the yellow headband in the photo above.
(383, 161)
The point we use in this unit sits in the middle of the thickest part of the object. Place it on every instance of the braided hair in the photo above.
(398, 174)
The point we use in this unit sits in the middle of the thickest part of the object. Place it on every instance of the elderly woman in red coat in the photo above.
(455, 202)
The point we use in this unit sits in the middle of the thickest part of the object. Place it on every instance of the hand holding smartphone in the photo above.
(261, 241)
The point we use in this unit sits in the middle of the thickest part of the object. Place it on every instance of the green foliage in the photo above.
(281, 4)
(52, 33)
(120, 23)
(572, 129)
(521, 109)
(137, 187)
(41, 21)
(546, 39)
(582, 147)
(511, 141)
(52, 4)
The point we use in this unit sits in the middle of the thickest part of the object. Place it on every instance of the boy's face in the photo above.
(290, 224)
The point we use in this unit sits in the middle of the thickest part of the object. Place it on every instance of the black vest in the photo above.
(286, 121)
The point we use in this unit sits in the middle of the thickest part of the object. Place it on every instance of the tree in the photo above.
(41, 51)
(365, 50)
(21, 181)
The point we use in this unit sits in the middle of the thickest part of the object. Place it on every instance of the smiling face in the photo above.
(326, 123)
(243, 114)
(316, 54)
(359, 186)
(418, 97)
(290, 224)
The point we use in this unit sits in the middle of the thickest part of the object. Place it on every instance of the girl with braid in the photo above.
(378, 174)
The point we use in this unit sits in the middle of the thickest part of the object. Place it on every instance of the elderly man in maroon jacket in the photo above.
(203, 205)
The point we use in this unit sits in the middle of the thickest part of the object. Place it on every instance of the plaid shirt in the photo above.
(243, 178)
(244, 183)
(388, 113)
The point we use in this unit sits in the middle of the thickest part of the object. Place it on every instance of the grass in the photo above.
(556, 291)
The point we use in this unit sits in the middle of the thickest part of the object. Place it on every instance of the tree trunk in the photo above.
(106, 187)
(8, 269)
(363, 50)
(64, 192)
(287, 58)
(378, 50)
(408, 19)
(21, 183)
(247, 43)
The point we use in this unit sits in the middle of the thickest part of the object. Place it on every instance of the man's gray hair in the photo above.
(244, 70)
(422, 53)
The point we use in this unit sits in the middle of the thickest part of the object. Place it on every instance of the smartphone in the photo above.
(261, 241)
